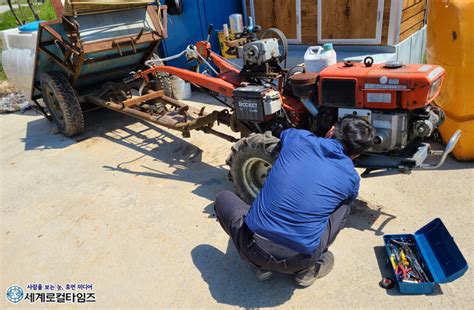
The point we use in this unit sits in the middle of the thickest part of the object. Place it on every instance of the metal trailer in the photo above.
(80, 58)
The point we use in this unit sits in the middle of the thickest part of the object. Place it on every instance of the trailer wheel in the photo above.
(250, 163)
(62, 102)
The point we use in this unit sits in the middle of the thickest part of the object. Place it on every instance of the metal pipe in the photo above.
(244, 9)
(32, 8)
(18, 21)
(252, 9)
(158, 61)
(173, 101)
(449, 148)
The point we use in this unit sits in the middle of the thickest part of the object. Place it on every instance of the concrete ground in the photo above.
(128, 208)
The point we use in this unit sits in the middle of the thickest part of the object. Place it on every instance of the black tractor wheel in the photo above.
(250, 163)
(62, 103)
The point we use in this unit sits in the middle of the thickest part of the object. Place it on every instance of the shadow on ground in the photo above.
(184, 158)
(232, 281)
(40, 135)
(363, 217)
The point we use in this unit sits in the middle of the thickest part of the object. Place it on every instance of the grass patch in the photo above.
(45, 12)
(3, 76)
(8, 21)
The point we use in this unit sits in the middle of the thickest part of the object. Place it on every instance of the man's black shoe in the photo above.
(308, 277)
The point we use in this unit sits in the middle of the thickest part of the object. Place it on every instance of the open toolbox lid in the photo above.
(442, 255)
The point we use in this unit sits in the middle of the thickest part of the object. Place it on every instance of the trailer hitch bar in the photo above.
(204, 122)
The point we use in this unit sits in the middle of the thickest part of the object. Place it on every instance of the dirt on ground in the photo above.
(128, 208)
(6, 88)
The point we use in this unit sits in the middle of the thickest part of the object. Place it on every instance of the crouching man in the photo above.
(303, 205)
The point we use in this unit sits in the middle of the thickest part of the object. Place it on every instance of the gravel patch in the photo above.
(12, 100)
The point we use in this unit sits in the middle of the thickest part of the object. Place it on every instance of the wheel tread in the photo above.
(254, 145)
(68, 100)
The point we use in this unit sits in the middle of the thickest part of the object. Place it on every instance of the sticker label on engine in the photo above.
(434, 73)
(384, 86)
(379, 97)
(425, 68)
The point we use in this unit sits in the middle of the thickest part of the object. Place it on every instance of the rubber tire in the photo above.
(73, 118)
(254, 146)
(163, 82)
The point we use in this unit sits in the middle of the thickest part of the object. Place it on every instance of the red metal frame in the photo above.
(224, 84)
(213, 83)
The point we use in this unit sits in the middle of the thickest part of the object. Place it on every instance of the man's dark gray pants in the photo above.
(231, 212)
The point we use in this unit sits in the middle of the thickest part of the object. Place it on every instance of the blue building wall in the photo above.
(191, 26)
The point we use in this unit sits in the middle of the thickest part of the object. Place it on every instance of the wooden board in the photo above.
(411, 31)
(349, 19)
(386, 21)
(408, 3)
(413, 17)
(80, 7)
(279, 14)
(411, 11)
(309, 21)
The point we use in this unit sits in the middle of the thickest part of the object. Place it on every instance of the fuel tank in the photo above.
(390, 86)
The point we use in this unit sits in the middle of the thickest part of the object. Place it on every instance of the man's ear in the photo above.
(330, 133)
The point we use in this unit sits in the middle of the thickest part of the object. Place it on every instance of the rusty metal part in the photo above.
(150, 96)
(58, 8)
(236, 42)
(74, 51)
(42, 110)
(170, 120)
(173, 102)
(304, 84)
(304, 78)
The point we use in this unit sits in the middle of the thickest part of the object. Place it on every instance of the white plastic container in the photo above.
(317, 58)
(181, 89)
(18, 57)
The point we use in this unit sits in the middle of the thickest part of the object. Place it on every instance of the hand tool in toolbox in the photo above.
(422, 260)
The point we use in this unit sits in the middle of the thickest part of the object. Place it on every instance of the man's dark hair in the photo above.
(355, 133)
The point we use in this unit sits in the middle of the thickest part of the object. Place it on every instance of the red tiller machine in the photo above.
(261, 98)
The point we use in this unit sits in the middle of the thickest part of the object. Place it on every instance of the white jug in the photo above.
(317, 58)
(181, 89)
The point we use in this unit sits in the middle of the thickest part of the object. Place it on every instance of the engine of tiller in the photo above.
(396, 99)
